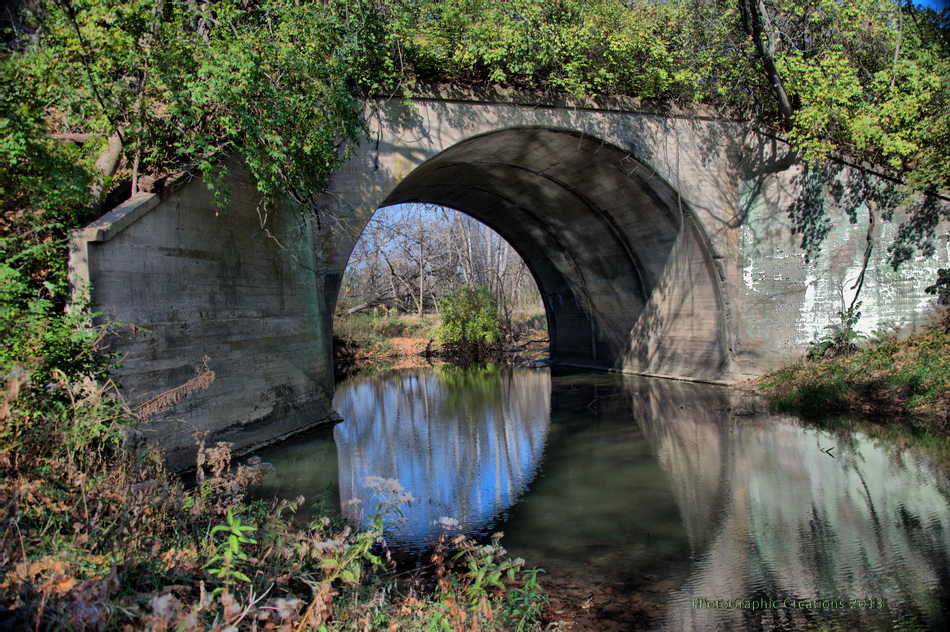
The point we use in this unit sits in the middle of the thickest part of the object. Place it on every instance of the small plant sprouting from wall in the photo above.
(842, 338)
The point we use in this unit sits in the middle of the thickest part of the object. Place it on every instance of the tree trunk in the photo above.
(755, 15)
(106, 165)
(422, 272)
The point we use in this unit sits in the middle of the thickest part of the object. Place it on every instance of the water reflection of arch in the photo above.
(774, 512)
(460, 457)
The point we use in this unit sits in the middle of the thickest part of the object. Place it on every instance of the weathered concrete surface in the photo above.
(662, 243)
(187, 281)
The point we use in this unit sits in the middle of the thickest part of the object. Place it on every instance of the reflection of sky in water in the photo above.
(465, 445)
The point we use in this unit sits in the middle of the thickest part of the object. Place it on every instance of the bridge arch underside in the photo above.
(623, 268)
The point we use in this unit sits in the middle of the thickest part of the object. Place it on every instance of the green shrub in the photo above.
(39, 337)
(842, 339)
(469, 319)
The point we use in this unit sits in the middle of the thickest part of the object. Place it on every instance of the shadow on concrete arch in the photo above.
(623, 267)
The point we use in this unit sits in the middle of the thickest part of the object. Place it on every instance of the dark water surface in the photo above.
(681, 500)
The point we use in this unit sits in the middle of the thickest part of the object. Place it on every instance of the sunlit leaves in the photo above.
(581, 47)
(868, 78)
(275, 82)
(826, 87)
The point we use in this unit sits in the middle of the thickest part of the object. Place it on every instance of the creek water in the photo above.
(661, 504)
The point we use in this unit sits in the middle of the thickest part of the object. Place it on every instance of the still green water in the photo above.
(685, 500)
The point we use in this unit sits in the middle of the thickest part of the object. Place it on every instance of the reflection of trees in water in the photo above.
(771, 511)
(778, 512)
(465, 456)
(471, 389)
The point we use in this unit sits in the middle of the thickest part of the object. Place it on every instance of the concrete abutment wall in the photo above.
(184, 281)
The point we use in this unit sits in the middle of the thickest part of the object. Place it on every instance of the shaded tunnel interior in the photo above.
(596, 227)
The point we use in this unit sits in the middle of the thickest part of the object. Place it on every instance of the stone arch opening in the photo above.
(627, 275)
(625, 271)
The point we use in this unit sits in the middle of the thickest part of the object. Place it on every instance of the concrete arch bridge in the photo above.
(663, 243)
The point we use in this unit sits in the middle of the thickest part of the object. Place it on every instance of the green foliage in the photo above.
(469, 319)
(224, 564)
(868, 77)
(470, 575)
(583, 47)
(525, 605)
(826, 87)
(44, 187)
(274, 82)
(39, 338)
(841, 338)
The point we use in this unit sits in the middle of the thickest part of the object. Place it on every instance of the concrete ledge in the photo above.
(504, 95)
(129, 212)
(730, 380)
(255, 436)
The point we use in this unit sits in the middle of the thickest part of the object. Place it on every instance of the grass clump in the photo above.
(369, 335)
(382, 323)
(887, 376)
